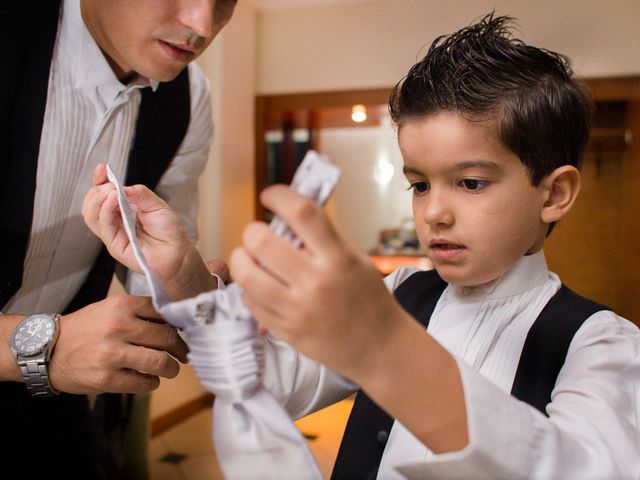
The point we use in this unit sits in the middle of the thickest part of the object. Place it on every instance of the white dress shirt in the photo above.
(90, 118)
(593, 426)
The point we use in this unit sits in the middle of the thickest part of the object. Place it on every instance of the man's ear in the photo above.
(561, 188)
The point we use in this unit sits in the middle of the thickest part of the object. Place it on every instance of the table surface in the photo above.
(388, 263)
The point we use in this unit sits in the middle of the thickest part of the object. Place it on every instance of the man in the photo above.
(84, 82)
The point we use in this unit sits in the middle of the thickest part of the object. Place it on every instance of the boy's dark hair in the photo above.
(542, 114)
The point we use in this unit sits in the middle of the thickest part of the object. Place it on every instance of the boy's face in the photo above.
(475, 209)
(154, 38)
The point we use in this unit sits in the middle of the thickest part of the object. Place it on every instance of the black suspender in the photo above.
(368, 427)
(28, 30)
(547, 344)
(542, 358)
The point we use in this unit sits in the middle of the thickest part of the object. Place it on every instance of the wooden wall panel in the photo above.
(584, 247)
(630, 217)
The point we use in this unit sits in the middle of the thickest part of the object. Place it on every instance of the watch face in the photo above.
(33, 334)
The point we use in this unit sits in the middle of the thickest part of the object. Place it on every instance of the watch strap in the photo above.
(36, 377)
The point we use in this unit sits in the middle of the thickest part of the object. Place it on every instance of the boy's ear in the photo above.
(561, 188)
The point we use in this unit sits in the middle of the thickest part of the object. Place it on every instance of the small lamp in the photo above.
(358, 113)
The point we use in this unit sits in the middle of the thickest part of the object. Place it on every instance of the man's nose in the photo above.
(198, 15)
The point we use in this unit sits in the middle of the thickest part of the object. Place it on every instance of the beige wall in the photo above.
(226, 188)
(373, 44)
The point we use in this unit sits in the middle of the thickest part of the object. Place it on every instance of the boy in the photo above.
(515, 375)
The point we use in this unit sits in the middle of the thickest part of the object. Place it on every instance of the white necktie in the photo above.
(254, 437)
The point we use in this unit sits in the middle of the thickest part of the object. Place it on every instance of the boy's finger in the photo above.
(303, 216)
(260, 285)
(275, 254)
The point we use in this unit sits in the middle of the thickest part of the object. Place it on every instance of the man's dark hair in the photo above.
(542, 114)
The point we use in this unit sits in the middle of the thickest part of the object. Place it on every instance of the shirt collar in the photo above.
(528, 272)
(89, 67)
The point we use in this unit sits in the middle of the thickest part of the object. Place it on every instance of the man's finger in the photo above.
(100, 174)
(220, 268)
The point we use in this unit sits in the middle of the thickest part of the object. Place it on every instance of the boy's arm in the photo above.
(330, 303)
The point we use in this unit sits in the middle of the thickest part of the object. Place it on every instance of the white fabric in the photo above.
(253, 435)
(90, 118)
(592, 431)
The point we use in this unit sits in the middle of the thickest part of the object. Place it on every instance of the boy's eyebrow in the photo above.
(406, 170)
(487, 164)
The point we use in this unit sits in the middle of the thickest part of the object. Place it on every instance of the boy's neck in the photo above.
(527, 272)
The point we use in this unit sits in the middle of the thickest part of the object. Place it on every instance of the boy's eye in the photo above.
(473, 184)
(419, 187)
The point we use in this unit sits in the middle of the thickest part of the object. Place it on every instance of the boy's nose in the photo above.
(436, 210)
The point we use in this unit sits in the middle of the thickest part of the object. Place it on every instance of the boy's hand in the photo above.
(326, 299)
(161, 237)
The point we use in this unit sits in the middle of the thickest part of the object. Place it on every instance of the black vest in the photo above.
(58, 434)
(542, 358)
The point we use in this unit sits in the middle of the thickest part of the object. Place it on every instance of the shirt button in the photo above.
(381, 437)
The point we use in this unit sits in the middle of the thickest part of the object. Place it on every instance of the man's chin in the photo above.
(165, 75)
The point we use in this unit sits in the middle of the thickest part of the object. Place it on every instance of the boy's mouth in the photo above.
(448, 246)
(445, 250)
(442, 243)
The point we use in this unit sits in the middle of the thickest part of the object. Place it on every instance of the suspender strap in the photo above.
(542, 357)
(29, 27)
(369, 426)
(546, 346)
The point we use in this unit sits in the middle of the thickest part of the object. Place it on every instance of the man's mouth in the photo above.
(180, 52)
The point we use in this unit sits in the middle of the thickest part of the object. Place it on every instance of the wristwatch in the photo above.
(32, 342)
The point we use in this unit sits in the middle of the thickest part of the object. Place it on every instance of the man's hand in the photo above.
(118, 345)
(161, 237)
(220, 268)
